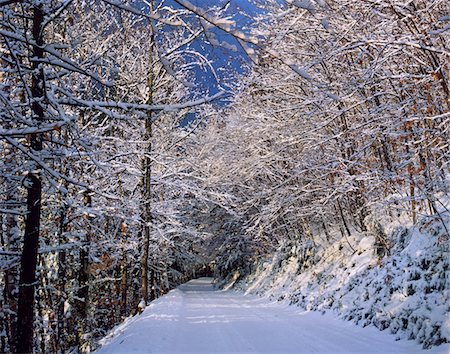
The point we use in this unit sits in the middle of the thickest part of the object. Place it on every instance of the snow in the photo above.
(223, 23)
(129, 106)
(198, 318)
(405, 292)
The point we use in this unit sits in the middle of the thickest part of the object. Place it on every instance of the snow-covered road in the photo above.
(196, 318)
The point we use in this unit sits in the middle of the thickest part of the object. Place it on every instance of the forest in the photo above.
(132, 159)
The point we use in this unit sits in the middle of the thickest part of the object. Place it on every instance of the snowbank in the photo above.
(405, 292)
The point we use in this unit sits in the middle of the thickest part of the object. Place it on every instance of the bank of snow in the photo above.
(405, 292)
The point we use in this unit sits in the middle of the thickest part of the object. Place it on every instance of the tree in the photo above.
(326, 136)
(64, 76)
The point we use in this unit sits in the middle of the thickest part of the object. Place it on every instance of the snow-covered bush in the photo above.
(405, 292)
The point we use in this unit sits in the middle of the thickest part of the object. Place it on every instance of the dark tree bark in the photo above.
(27, 280)
(153, 293)
(82, 301)
(61, 287)
(11, 278)
(124, 279)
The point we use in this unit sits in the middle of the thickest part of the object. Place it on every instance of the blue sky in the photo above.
(225, 61)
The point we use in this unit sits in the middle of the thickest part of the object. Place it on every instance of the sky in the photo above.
(224, 61)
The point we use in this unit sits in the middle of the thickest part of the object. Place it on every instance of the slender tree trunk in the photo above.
(325, 229)
(61, 287)
(153, 293)
(347, 233)
(11, 277)
(146, 183)
(123, 267)
(62, 256)
(45, 307)
(82, 301)
(412, 194)
(3, 301)
(123, 285)
(144, 263)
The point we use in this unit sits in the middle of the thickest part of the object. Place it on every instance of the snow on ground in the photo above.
(197, 318)
(405, 293)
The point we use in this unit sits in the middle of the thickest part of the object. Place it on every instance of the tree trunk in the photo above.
(124, 286)
(146, 183)
(347, 233)
(82, 300)
(144, 261)
(153, 293)
(11, 243)
(28, 262)
(61, 287)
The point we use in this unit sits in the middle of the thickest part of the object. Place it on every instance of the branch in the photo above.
(55, 174)
(31, 130)
(63, 62)
(224, 25)
(12, 212)
(98, 105)
(152, 16)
